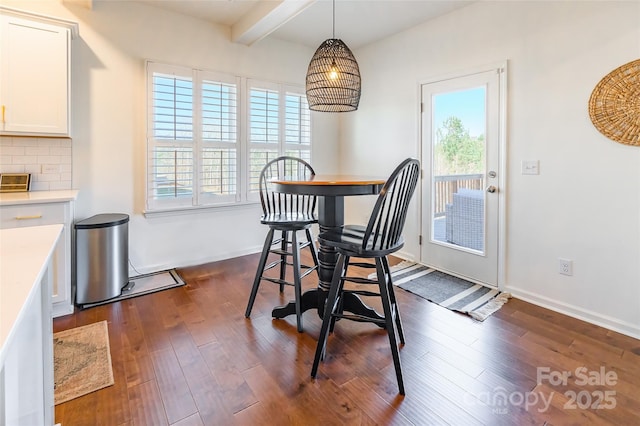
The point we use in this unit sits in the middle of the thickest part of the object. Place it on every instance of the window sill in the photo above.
(179, 211)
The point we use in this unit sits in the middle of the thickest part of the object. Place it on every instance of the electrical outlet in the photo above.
(565, 266)
(50, 168)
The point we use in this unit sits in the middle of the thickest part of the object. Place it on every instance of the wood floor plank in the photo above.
(145, 404)
(198, 326)
(155, 333)
(346, 409)
(112, 403)
(174, 391)
(138, 366)
(132, 331)
(206, 392)
(370, 402)
(236, 393)
(79, 411)
(483, 395)
(193, 420)
(188, 356)
(273, 399)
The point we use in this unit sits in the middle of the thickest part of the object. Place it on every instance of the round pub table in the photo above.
(330, 190)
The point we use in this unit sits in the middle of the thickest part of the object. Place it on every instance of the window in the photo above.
(197, 153)
(279, 124)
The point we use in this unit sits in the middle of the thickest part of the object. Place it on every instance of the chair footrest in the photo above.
(363, 265)
(277, 262)
(271, 265)
(361, 318)
(359, 280)
(280, 251)
(309, 270)
(365, 293)
(277, 281)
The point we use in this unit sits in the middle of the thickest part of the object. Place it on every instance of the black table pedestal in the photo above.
(330, 216)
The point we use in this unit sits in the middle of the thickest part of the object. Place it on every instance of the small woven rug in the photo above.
(82, 361)
(448, 291)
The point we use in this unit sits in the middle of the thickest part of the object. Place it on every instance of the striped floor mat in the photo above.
(448, 291)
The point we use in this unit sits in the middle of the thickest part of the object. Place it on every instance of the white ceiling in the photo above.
(357, 22)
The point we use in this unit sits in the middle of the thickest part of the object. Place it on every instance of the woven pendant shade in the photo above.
(333, 78)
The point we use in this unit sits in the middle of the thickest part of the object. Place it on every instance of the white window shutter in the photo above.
(297, 126)
(219, 152)
(197, 154)
(170, 162)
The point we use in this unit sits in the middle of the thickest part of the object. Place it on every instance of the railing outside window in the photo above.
(447, 185)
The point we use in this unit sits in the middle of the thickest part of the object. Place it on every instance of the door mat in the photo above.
(81, 361)
(448, 291)
(145, 284)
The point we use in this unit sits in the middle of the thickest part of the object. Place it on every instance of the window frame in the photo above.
(243, 85)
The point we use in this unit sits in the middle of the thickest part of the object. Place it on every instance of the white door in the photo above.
(462, 144)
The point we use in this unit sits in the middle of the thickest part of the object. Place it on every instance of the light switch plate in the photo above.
(530, 167)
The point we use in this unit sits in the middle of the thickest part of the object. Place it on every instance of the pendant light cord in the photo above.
(334, 18)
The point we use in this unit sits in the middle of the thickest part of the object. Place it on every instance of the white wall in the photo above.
(108, 121)
(585, 204)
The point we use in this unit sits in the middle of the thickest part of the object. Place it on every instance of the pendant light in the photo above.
(333, 77)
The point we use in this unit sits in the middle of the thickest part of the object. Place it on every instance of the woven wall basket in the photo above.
(614, 106)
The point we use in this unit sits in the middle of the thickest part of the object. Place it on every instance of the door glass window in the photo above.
(459, 165)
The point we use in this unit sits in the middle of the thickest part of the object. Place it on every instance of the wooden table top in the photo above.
(332, 180)
(330, 185)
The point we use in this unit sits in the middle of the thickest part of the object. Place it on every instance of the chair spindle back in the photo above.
(289, 168)
(390, 211)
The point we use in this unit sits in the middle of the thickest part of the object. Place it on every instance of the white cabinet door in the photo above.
(34, 77)
(26, 348)
(23, 215)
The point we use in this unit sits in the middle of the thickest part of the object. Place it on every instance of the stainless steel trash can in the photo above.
(102, 256)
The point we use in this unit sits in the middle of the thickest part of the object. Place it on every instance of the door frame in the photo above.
(502, 69)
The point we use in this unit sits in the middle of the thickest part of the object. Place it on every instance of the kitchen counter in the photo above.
(39, 208)
(15, 198)
(25, 254)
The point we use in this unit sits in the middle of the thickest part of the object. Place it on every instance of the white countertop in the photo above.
(24, 255)
(34, 197)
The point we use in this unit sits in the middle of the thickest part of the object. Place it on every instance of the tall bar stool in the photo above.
(381, 237)
(286, 214)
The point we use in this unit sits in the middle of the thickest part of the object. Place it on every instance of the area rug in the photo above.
(448, 291)
(81, 361)
(145, 284)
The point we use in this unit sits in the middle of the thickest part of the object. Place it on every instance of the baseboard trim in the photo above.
(60, 310)
(150, 269)
(610, 323)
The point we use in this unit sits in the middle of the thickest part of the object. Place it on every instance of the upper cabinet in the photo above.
(35, 73)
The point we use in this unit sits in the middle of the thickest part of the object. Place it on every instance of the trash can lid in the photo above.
(104, 220)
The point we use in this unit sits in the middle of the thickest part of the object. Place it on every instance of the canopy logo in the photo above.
(581, 376)
(500, 400)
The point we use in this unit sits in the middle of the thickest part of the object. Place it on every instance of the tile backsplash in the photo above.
(47, 159)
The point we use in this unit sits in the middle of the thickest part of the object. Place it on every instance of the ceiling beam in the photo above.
(86, 3)
(264, 18)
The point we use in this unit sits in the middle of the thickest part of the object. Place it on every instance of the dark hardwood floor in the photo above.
(187, 356)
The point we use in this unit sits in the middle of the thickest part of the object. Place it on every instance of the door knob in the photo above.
(491, 189)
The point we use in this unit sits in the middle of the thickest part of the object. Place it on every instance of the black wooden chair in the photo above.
(286, 214)
(381, 237)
